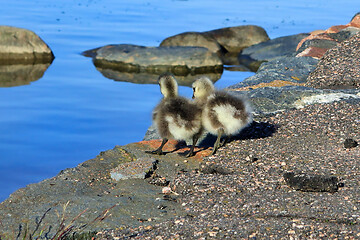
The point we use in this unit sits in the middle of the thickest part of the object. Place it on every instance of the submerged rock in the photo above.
(178, 60)
(18, 45)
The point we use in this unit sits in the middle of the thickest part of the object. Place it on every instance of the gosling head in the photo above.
(168, 85)
(202, 88)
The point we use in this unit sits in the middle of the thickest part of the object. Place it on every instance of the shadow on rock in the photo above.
(21, 74)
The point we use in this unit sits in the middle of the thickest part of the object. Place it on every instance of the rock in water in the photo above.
(311, 183)
(177, 60)
(18, 45)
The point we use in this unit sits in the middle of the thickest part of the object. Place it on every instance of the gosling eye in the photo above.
(194, 89)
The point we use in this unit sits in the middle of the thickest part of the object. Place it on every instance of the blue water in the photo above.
(73, 112)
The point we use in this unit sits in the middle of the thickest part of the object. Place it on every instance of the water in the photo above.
(73, 112)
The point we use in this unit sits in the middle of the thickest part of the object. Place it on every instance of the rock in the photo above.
(235, 39)
(283, 84)
(227, 43)
(178, 60)
(268, 100)
(158, 180)
(350, 143)
(284, 71)
(21, 74)
(311, 182)
(151, 134)
(319, 42)
(325, 97)
(141, 168)
(339, 68)
(194, 39)
(18, 45)
(90, 190)
(317, 46)
(254, 55)
(214, 169)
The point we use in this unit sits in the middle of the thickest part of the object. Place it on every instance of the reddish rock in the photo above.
(318, 52)
(314, 52)
(337, 28)
(176, 146)
(355, 22)
(322, 35)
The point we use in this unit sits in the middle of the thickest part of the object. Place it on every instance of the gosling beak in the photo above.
(193, 97)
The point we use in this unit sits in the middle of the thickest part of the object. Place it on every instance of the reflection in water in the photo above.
(151, 78)
(21, 74)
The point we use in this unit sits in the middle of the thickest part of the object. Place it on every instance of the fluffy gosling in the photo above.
(223, 114)
(175, 117)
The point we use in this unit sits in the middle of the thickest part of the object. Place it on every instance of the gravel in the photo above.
(339, 68)
(246, 196)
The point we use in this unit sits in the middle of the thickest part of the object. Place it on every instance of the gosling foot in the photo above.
(157, 152)
(187, 155)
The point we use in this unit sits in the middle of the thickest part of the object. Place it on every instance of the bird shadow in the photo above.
(256, 130)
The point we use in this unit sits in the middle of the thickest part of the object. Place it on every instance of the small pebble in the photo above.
(350, 143)
(166, 190)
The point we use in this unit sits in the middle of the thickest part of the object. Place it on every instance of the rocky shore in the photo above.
(292, 174)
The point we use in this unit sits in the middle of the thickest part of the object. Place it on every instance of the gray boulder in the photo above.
(273, 49)
(231, 39)
(226, 42)
(269, 100)
(194, 39)
(282, 71)
(234, 39)
(178, 60)
(280, 84)
(19, 45)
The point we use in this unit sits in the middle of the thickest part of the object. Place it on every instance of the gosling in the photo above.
(223, 114)
(175, 117)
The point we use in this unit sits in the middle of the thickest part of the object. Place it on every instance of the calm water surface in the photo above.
(73, 112)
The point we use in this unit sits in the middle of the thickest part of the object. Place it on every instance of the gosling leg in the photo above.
(217, 143)
(159, 150)
(195, 139)
(225, 141)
